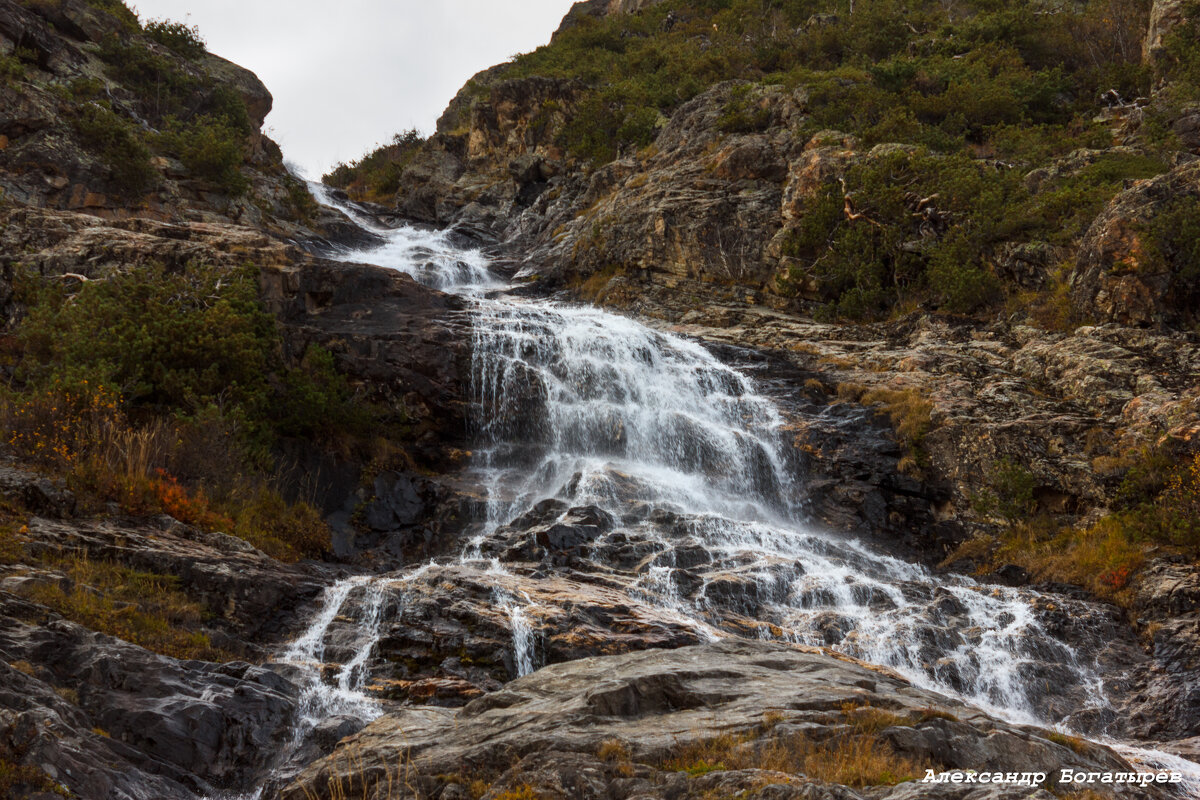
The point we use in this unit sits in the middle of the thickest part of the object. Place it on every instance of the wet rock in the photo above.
(331, 731)
(578, 527)
(188, 722)
(553, 723)
(406, 343)
(1164, 700)
(398, 502)
(457, 622)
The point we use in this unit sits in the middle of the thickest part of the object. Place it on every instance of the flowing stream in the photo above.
(596, 409)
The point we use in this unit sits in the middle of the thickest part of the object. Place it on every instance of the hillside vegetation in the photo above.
(980, 95)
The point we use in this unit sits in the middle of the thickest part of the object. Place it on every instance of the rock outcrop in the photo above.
(1165, 16)
(107, 719)
(404, 345)
(1121, 276)
(609, 727)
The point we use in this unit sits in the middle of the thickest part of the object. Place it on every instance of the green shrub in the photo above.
(118, 143)
(185, 342)
(1011, 492)
(161, 88)
(743, 113)
(178, 37)
(607, 123)
(376, 176)
(1172, 240)
(127, 17)
(169, 340)
(212, 149)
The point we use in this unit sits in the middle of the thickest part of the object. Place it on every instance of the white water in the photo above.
(595, 408)
(319, 699)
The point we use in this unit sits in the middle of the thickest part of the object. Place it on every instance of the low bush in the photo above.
(1010, 493)
(166, 392)
(376, 176)
(1161, 510)
(118, 143)
(19, 780)
(182, 39)
(1172, 239)
(161, 88)
(742, 114)
(212, 148)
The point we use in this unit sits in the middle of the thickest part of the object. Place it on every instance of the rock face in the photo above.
(252, 595)
(405, 345)
(108, 719)
(1165, 16)
(1119, 277)
(1167, 705)
(488, 156)
(1053, 402)
(546, 731)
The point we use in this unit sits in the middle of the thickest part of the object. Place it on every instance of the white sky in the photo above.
(347, 74)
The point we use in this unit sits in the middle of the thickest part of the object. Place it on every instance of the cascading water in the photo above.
(596, 409)
(318, 699)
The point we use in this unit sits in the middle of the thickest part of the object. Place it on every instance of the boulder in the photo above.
(1118, 277)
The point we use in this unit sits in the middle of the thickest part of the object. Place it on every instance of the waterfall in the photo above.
(320, 700)
(596, 409)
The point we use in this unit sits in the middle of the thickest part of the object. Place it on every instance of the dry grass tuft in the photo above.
(910, 413)
(358, 781)
(144, 608)
(858, 758)
(613, 750)
(187, 469)
(1079, 746)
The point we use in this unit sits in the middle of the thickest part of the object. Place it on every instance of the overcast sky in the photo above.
(347, 74)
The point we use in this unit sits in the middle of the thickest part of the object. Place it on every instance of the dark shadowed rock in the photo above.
(191, 722)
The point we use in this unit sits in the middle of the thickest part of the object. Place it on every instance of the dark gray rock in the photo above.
(37, 493)
(190, 723)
